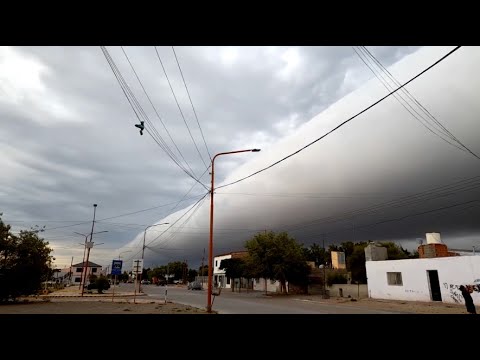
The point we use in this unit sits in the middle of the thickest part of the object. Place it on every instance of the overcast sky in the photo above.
(68, 141)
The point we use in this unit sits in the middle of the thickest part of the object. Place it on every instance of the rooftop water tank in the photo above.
(433, 238)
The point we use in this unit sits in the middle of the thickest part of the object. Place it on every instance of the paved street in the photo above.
(252, 303)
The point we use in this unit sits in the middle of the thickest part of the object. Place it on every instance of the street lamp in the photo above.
(143, 250)
(210, 244)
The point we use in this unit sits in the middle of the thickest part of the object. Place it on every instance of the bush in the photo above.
(336, 279)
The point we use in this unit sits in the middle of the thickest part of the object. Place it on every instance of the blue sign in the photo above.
(117, 267)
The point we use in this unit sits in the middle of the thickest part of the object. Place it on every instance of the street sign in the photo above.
(137, 266)
(117, 267)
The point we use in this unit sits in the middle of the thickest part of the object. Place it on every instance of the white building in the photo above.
(77, 269)
(219, 277)
(428, 279)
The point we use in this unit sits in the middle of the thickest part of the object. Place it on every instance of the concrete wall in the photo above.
(349, 289)
(452, 272)
(259, 285)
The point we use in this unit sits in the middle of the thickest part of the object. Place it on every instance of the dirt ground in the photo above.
(74, 306)
(415, 307)
(144, 306)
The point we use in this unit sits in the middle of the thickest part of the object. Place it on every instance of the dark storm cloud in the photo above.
(384, 153)
(70, 141)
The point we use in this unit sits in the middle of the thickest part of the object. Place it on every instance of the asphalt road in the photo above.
(251, 303)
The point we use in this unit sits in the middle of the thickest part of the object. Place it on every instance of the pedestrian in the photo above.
(468, 300)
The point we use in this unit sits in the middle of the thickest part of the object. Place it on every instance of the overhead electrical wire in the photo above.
(417, 102)
(344, 122)
(140, 113)
(193, 107)
(410, 215)
(436, 128)
(171, 225)
(421, 197)
(425, 123)
(155, 110)
(179, 108)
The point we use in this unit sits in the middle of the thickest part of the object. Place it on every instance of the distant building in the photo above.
(219, 277)
(77, 269)
(338, 260)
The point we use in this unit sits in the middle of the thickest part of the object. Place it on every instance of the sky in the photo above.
(68, 141)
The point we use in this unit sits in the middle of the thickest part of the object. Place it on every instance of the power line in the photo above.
(412, 215)
(139, 110)
(444, 190)
(193, 108)
(179, 108)
(190, 209)
(156, 112)
(343, 123)
(422, 107)
(398, 96)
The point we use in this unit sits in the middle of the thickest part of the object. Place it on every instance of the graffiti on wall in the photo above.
(455, 292)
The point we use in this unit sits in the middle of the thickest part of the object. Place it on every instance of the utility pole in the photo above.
(201, 271)
(324, 270)
(70, 277)
(85, 264)
(136, 278)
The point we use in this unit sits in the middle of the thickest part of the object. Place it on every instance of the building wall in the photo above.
(338, 260)
(452, 272)
(219, 275)
(272, 285)
(78, 274)
(355, 291)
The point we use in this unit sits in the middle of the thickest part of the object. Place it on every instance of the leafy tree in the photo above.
(317, 254)
(279, 257)
(234, 269)
(176, 269)
(25, 262)
(192, 274)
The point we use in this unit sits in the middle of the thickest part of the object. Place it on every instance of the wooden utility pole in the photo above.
(71, 264)
(201, 271)
(324, 270)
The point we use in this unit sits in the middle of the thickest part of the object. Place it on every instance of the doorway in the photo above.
(434, 282)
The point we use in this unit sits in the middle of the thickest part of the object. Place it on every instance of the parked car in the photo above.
(195, 285)
(145, 282)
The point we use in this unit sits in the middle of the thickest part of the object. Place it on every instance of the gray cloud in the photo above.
(69, 141)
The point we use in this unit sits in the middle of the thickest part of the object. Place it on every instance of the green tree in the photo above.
(234, 269)
(317, 254)
(25, 262)
(192, 274)
(279, 257)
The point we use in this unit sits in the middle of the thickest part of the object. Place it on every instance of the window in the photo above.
(77, 279)
(394, 278)
(228, 281)
(216, 263)
(79, 269)
(94, 270)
